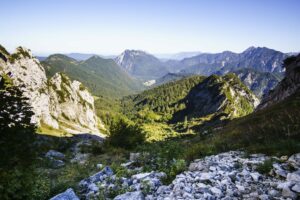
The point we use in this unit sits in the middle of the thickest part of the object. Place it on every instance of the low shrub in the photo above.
(125, 134)
(265, 167)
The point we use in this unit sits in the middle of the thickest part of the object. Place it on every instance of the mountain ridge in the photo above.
(102, 76)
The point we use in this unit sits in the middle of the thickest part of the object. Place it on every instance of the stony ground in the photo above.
(230, 175)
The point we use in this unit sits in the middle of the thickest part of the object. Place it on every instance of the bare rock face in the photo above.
(58, 103)
(288, 86)
(71, 104)
(25, 70)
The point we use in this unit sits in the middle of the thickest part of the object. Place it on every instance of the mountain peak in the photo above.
(141, 65)
(24, 52)
(94, 57)
(60, 57)
(133, 52)
(251, 48)
(259, 49)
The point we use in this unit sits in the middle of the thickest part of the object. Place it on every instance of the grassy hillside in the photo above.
(161, 102)
(274, 130)
(219, 97)
(102, 76)
(194, 101)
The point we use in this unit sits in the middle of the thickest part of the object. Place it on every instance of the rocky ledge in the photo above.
(230, 175)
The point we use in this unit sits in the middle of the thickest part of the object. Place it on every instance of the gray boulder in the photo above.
(89, 184)
(57, 163)
(296, 188)
(295, 160)
(69, 194)
(131, 196)
(56, 158)
(295, 176)
(134, 157)
(52, 154)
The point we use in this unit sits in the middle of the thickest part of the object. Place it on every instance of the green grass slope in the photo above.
(193, 100)
(274, 130)
(159, 103)
(102, 76)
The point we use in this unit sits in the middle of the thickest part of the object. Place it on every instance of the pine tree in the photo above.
(17, 136)
(17, 133)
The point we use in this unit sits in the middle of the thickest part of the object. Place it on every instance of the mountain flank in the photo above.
(102, 76)
(60, 106)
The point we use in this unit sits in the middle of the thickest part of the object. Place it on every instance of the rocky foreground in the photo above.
(231, 175)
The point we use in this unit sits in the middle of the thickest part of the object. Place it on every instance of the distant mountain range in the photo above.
(146, 66)
(85, 56)
(260, 62)
(78, 56)
(260, 68)
(258, 58)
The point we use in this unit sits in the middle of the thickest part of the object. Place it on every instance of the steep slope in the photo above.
(288, 86)
(274, 127)
(259, 83)
(218, 98)
(102, 76)
(59, 105)
(194, 99)
(163, 100)
(262, 59)
(141, 65)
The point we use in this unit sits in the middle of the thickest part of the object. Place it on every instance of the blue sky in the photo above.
(157, 26)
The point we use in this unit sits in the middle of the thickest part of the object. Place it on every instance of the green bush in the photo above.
(265, 167)
(20, 183)
(177, 167)
(125, 134)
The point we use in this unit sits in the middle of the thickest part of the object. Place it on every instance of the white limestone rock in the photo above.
(58, 103)
(69, 194)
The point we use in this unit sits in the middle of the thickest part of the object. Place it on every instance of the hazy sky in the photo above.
(156, 26)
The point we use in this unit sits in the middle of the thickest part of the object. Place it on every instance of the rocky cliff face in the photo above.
(58, 103)
(288, 86)
(259, 83)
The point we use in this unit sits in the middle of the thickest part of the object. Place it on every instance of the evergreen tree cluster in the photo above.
(163, 100)
(17, 138)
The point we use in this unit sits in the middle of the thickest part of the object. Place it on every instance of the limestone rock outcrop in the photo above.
(58, 103)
